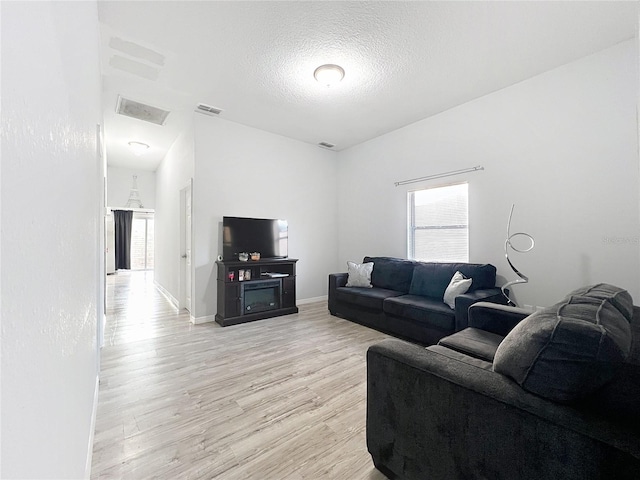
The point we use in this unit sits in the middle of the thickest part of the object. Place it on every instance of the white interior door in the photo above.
(187, 237)
(110, 250)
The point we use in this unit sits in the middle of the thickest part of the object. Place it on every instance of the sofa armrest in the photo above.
(464, 301)
(433, 416)
(336, 280)
(498, 319)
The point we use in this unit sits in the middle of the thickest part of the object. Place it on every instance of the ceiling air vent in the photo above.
(208, 110)
(326, 145)
(138, 110)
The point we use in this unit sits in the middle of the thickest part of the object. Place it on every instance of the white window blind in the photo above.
(438, 224)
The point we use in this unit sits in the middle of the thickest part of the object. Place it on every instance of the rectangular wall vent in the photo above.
(326, 145)
(208, 109)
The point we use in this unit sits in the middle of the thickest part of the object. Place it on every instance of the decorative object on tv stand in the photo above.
(243, 257)
(523, 278)
(255, 255)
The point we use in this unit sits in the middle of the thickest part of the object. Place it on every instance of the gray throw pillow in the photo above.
(566, 351)
(359, 274)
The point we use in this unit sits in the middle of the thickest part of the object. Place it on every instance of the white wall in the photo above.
(562, 146)
(174, 173)
(242, 171)
(120, 181)
(50, 237)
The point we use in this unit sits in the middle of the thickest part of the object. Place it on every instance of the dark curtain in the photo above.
(122, 220)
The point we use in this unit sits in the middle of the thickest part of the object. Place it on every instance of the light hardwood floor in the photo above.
(281, 398)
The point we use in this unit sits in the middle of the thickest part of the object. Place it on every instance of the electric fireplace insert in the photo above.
(261, 296)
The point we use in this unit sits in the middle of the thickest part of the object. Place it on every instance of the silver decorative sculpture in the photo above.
(523, 278)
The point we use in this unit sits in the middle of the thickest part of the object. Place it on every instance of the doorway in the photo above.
(142, 231)
(186, 273)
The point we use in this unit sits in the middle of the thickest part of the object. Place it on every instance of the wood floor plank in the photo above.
(281, 398)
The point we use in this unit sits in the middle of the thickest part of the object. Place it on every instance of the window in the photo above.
(142, 241)
(438, 223)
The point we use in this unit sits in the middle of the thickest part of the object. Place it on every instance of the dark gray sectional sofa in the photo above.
(407, 297)
(543, 396)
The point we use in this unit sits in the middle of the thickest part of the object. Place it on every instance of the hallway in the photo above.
(136, 310)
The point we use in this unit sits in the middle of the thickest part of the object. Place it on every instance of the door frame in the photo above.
(182, 300)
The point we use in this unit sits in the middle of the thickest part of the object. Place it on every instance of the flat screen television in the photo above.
(269, 237)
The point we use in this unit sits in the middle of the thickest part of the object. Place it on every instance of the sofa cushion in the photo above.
(617, 296)
(460, 357)
(474, 342)
(359, 274)
(566, 351)
(482, 274)
(432, 279)
(365, 297)
(391, 273)
(421, 309)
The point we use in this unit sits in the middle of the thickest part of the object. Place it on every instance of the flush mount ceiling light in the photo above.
(329, 74)
(138, 148)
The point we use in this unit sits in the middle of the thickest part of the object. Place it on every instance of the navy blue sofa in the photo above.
(406, 300)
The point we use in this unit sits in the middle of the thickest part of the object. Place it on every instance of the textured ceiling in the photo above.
(404, 61)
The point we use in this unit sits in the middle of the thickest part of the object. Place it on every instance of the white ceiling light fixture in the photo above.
(138, 148)
(329, 74)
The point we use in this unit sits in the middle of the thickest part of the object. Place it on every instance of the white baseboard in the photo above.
(304, 301)
(205, 319)
(166, 293)
(94, 414)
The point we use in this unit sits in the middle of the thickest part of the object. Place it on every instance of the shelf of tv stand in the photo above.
(232, 291)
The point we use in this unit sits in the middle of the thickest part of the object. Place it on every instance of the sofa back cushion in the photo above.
(391, 273)
(431, 279)
(618, 297)
(483, 275)
(569, 350)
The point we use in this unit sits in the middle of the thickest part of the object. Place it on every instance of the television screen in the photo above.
(269, 237)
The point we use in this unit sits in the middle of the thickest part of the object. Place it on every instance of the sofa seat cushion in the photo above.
(566, 351)
(421, 309)
(461, 357)
(474, 342)
(365, 297)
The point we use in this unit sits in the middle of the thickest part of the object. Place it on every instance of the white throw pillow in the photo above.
(457, 286)
(359, 274)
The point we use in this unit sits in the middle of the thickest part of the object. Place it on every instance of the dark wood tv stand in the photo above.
(270, 291)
